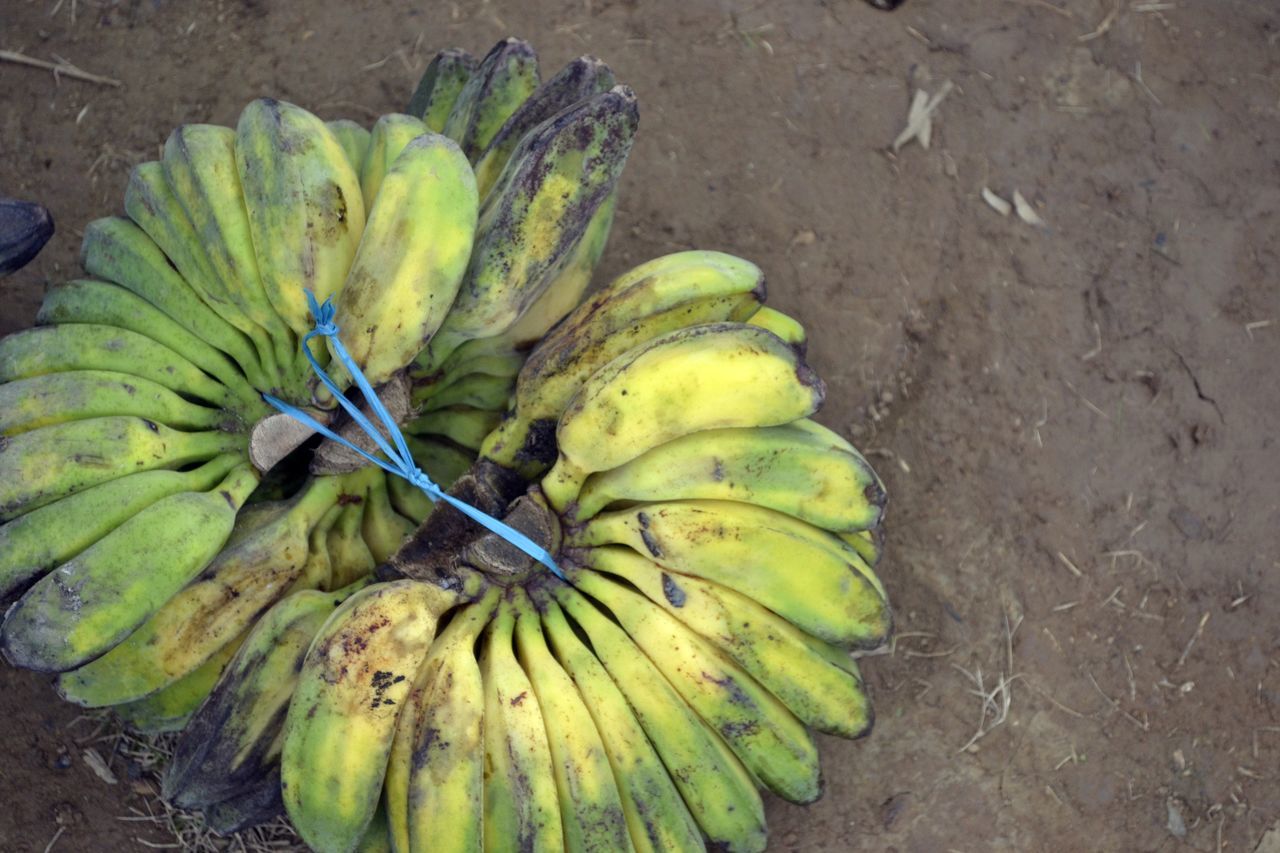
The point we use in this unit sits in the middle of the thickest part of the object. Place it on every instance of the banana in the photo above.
(304, 203)
(805, 575)
(868, 543)
(473, 390)
(649, 301)
(391, 133)
(56, 398)
(234, 739)
(818, 682)
(520, 801)
(787, 468)
(383, 529)
(200, 166)
(718, 791)
(772, 744)
(152, 204)
(460, 424)
(441, 463)
(440, 86)
(44, 465)
(697, 378)
(377, 837)
(590, 805)
(342, 717)
(491, 356)
(119, 251)
(258, 804)
(247, 577)
(785, 327)
(317, 571)
(100, 303)
(349, 556)
(435, 779)
(656, 816)
(502, 81)
(93, 601)
(538, 211)
(354, 139)
(34, 543)
(411, 258)
(55, 349)
(580, 79)
(168, 710)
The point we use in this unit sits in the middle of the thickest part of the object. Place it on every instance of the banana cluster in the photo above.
(144, 538)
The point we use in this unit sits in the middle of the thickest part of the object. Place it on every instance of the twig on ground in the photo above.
(60, 68)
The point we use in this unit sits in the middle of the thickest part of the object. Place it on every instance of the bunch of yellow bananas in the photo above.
(714, 547)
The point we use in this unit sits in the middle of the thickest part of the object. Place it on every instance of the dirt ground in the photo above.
(1076, 421)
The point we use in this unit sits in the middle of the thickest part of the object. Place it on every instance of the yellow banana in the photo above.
(168, 710)
(391, 133)
(383, 529)
(785, 327)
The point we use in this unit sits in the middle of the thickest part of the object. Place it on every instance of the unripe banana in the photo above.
(411, 257)
(90, 603)
(55, 398)
(703, 377)
(391, 133)
(349, 556)
(384, 530)
(441, 463)
(168, 710)
(354, 139)
(474, 390)
(502, 81)
(440, 86)
(462, 425)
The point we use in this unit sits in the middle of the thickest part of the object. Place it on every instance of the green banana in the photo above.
(56, 398)
(580, 79)
(44, 465)
(718, 791)
(788, 468)
(441, 463)
(304, 205)
(342, 718)
(772, 744)
(521, 811)
(474, 390)
(411, 259)
(701, 377)
(440, 86)
(649, 301)
(460, 424)
(383, 529)
(785, 327)
(168, 710)
(247, 577)
(868, 543)
(656, 816)
(55, 349)
(38, 541)
(494, 90)
(538, 211)
(590, 804)
(354, 139)
(92, 602)
(816, 681)
(805, 575)
(234, 739)
(119, 251)
(349, 556)
(100, 303)
(391, 133)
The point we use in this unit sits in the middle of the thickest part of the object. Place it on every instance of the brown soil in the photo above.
(1076, 423)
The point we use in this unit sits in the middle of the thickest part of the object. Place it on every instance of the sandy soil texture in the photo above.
(1076, 420)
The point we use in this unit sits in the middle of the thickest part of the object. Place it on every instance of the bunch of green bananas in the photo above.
(144, 535)
(717, 551)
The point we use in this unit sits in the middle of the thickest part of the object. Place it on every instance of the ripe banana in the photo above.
(411, 258)
(440, 86)
(93, 601)
(806, 575)
(701, 377)
(772, 744)
(785, 327)
(645, 303)
(788, 468)
(56, 398)
(342, 718)
(168, 710)
(501, 82)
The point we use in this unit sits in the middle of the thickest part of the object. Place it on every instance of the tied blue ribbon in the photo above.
(401, 461)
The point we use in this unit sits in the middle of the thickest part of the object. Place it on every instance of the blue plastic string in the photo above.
(400, 461)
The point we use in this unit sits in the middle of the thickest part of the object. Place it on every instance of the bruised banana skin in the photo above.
(701, 377)
(56, 398)
(90, 603)
(439, 87)
(342, 718)
(411, 259)
(772, 744)
(499, 84)
(788, 468)
(36, 542)
(805, 575)
(656, 815)
(24, 229)
(647, 302)
(818, 682)
(305, 207)
(234, 738)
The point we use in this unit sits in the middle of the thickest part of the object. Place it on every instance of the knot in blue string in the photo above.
(399, 461)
